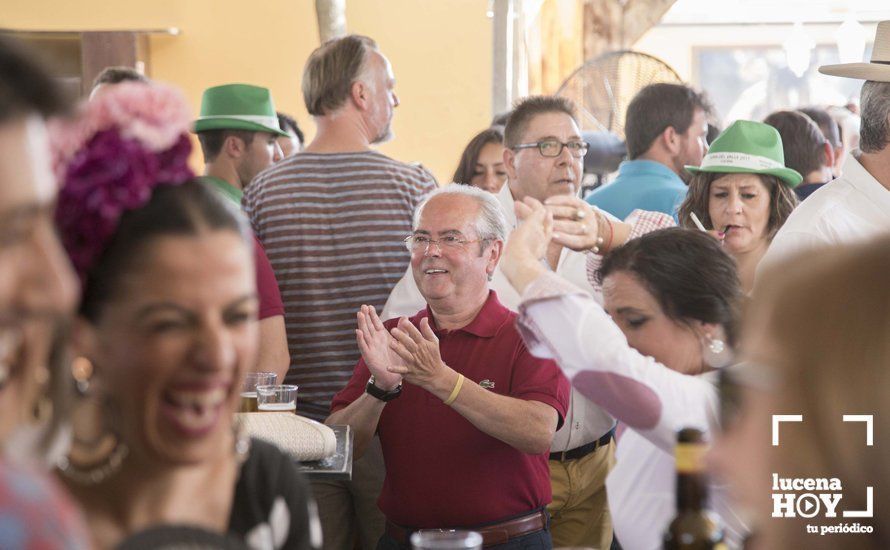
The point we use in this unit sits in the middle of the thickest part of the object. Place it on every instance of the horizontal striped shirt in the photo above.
(332, 226)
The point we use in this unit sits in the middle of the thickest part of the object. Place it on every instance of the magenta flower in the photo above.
(110, 159)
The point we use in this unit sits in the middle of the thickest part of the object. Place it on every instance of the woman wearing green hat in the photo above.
(742, 192)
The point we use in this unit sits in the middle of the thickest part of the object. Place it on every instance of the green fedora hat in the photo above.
(748, 147)
(238, 107)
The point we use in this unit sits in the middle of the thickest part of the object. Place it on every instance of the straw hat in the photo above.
(877, 70)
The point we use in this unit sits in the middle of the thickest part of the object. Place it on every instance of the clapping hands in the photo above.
(419, 351)
(374, 341)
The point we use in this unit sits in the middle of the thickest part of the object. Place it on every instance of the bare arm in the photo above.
(523, 424)
(273, 355)
(363, 414)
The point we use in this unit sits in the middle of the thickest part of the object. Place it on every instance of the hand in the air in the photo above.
(374, 342)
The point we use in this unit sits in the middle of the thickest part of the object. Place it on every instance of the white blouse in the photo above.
(559, 321)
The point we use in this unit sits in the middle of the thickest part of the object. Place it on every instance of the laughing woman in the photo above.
(743, 193)
(168, 326)
(647, 355)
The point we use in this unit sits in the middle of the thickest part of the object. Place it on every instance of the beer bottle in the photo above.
(693, 527)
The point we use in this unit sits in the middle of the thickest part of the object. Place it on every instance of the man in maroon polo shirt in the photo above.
(464, 412)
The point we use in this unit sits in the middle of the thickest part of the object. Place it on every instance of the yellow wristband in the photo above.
(456, 390)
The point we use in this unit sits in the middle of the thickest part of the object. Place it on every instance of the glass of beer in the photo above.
(280, 398)
(248, 390)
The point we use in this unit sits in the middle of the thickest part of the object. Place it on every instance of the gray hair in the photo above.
(491, 225)
(874, 134)
(331, 70)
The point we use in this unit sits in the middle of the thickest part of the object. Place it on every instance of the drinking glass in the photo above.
(248, 390)
(280, 398)
(446, 539)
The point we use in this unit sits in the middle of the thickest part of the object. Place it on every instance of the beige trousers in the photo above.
(579, 513)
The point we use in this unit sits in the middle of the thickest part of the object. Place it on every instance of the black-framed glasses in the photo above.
(553, 147)
(418, 243)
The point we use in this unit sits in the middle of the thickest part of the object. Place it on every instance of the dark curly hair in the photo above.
(688, 273)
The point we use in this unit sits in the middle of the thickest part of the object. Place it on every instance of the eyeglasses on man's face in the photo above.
(553, 147)
(421, 243)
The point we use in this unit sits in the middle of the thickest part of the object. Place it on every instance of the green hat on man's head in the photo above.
(238, 107)
(748, 147)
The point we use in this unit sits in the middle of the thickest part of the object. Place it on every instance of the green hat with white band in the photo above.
(748, 147)
(238, 107)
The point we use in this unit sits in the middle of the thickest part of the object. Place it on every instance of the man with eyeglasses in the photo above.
(544, 160)
(464, 412)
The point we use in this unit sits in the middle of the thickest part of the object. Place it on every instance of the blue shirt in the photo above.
(643, 184)
(804, 190)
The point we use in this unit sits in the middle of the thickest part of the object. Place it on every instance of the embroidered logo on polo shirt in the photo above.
(487, 384)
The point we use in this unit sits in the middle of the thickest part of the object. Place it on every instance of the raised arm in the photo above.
(638, 391)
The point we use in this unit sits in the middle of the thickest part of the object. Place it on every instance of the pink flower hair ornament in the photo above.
(111, 156)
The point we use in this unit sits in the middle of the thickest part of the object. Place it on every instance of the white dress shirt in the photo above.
(558, 321)
(853, 208)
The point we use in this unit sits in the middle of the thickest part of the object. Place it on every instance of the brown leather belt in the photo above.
(498, 533)
(584, 450)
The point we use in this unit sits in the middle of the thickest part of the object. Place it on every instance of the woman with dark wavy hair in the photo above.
(647, 356)
(482, 162)
(742, 192)
(167, 329)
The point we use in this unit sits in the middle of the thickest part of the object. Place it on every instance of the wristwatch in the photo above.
(381, 394)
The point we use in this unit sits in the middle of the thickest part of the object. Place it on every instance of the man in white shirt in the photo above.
(544, 158)
(856, 206)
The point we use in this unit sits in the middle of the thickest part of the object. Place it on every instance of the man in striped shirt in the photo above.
(332, 219)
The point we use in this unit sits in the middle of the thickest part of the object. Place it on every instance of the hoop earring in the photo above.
(95, 454)
(98, 473)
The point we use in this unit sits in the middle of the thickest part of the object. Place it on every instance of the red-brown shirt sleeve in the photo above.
(266, 284)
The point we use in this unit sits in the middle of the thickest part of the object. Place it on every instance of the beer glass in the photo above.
(280, 398)
(446, 539)
(248, 390)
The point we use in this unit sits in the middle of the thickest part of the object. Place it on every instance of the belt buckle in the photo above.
(462, 540)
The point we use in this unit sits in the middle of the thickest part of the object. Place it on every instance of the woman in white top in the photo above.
(673, 298)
